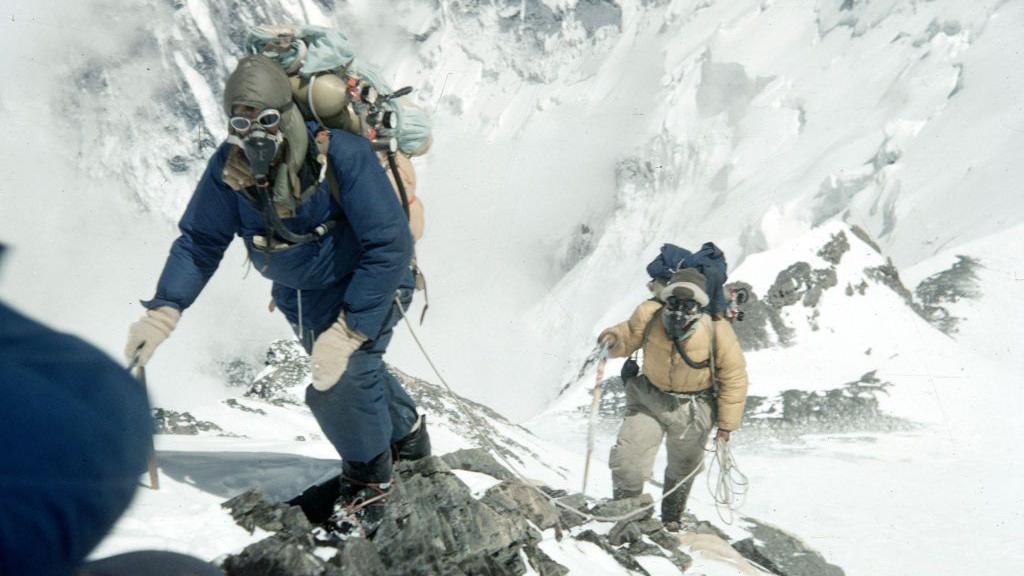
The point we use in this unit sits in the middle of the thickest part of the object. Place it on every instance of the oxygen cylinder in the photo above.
(325, 96)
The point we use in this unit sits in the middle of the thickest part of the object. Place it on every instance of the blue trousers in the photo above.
(367, 410)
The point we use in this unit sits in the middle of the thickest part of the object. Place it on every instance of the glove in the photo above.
(237, 174)
(608, 340)
(146, 334)
(331, 352)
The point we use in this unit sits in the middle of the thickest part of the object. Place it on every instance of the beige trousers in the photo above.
(684, 421)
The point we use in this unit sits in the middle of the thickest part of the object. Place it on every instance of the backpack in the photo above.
(338, 91)
(335, 90)
(709, 261)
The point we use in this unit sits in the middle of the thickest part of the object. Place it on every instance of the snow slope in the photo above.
(940, 494)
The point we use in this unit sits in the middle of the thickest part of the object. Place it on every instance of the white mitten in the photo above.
(331, 352)
(149, 332)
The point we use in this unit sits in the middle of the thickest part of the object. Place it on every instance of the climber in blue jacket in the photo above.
(335, 241)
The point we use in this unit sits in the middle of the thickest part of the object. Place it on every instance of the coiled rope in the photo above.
(474, 423)
(727, 484)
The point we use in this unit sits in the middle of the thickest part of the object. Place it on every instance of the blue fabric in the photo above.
(709, 261)
(75, 434)
(367, 409)
(357, 267)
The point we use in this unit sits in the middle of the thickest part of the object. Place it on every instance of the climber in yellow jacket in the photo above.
(675, 396)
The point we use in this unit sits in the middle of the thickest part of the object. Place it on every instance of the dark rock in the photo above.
(758, 315)
(853, 406)
(239, 406)
(274, 556)
(569, 518)
(670, 543)
(171, 422)
(251, 509)
(948, 287)
(833, 251)
(613, 398)
(532, 17)
(624, 532)
(178, 163)
(888, 275)
(543, 564)
(433, 525)
(238, 372)
(665, 539)
(621, 556)
(477, 460)
(287, 366)
(649, 526)
(705, 527)
(597, 14)
(356, 556)
(641, 548)
(865, 237)
(516, 498)
(800, 283)
(783, 553)
(616, 508)
(578, 247)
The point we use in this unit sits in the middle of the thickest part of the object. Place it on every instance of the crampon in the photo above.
(358, 512)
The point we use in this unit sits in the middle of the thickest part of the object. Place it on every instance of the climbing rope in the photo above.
(727, 484)
(474, 423)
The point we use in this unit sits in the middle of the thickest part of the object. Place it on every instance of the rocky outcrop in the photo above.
(515, 497)
(851, 407)
(434, 525)
(949, 286)
(286, 370)
(782, 553)
(477, 460)
(171, 422)
(760, 320)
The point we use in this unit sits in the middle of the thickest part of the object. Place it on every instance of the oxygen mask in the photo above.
(679, 315)
(260, 140)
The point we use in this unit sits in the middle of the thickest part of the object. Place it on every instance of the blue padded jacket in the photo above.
(357, 267)
(75, 433)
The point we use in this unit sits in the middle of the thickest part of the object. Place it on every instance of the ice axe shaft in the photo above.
(154, 477)
(595, 406)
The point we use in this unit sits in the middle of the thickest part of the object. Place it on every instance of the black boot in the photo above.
(416, 443)
(317, 502)
(673, 505)
(364, 490)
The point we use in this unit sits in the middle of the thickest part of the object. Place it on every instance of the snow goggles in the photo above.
(687, 306)
(268, 119)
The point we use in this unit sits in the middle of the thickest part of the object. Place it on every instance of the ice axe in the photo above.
(595, 406)
(140, 372)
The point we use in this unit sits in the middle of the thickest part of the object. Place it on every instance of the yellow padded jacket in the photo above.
(667, 370)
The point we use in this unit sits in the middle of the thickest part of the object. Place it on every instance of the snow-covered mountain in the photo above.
(573, 137)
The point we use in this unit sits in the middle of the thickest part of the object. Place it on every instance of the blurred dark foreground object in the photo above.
(75, 435)
(150, 563)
